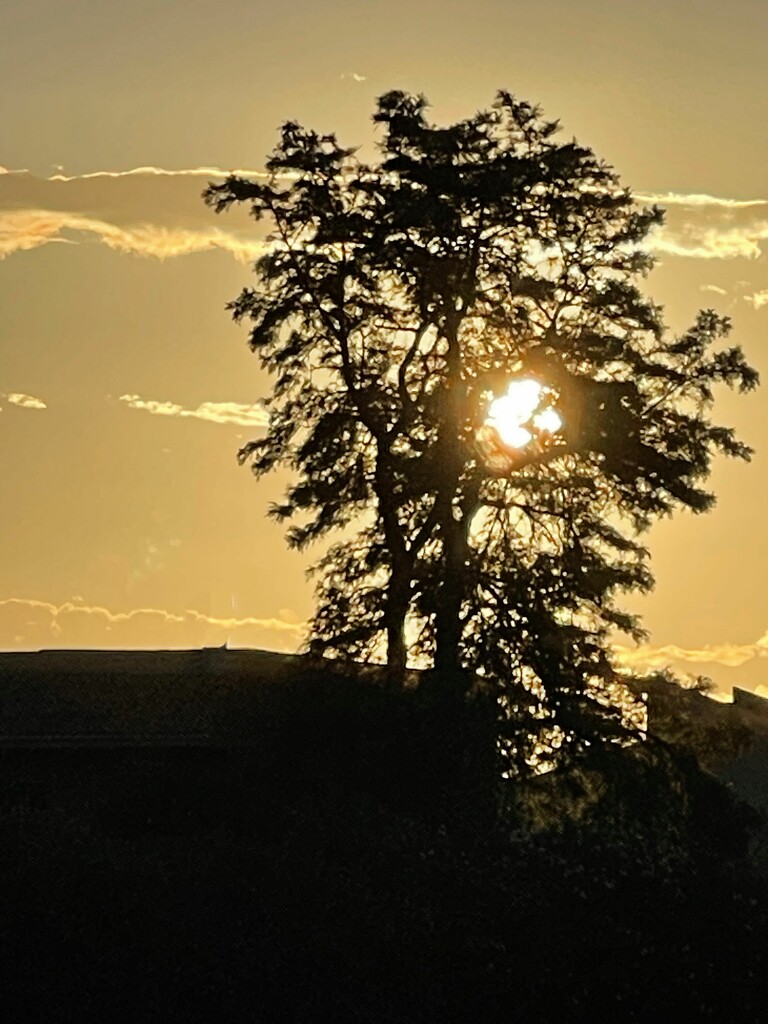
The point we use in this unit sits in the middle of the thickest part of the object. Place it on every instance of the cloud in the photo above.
(713, 288)
(24, 401)
(757, 299)
(161, 172)
(700, 226)
(158, 212)
(140, 194)
(710, 242)
(353, 76)
(729, 655)
(214, 412)
(148, 211)
(697, 199)
(32, 624)
(22, 230)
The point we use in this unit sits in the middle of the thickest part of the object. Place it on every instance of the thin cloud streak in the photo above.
(697, 199)
(728, 655)
(22, 230)
(35, 624)
(185, 172)
(213, 412)
(71, 607)
(156, 211)
(76, 620)
(25, 229)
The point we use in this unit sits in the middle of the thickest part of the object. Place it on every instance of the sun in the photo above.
(522, 413)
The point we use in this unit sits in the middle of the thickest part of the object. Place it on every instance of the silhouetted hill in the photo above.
(240, 836)
(99, 718)
(145, 695)
(222, 697)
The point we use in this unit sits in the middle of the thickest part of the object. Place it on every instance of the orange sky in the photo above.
(125, 390)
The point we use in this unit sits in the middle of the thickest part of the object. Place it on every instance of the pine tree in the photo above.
(398, 301)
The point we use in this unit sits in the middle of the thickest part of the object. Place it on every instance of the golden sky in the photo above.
(125, 389)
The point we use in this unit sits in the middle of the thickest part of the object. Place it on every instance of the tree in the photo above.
(398, 300)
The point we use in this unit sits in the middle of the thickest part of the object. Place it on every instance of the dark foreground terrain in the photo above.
(355, 861)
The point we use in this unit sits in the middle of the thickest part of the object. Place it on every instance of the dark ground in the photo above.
(352, 865)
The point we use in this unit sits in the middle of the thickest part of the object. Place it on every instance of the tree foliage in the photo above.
(397, 299)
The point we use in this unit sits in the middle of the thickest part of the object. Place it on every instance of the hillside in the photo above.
(188, 839)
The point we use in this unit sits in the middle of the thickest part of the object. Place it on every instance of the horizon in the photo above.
(717, 695)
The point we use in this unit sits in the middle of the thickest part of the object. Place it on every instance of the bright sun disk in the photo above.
(513, 413)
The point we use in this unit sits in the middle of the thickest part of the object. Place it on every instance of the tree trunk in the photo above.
(449, 599)
(396, 611)
(398, 592)
(448, 626)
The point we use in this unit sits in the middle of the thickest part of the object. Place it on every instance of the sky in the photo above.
(126, 390)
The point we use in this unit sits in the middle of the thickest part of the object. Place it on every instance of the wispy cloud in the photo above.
(22, 230)
(30, 624)
(157, 211)
(353, 76)
(162, 172)
(112, 617)
(713, 288)
(24, 401)
(647, 656)
(711, 242)
(697, 199)
(701, 226)
(214, 412)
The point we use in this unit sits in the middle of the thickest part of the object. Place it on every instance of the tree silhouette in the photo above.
(398, 300)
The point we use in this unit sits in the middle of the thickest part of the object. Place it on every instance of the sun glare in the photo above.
(521, 411)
